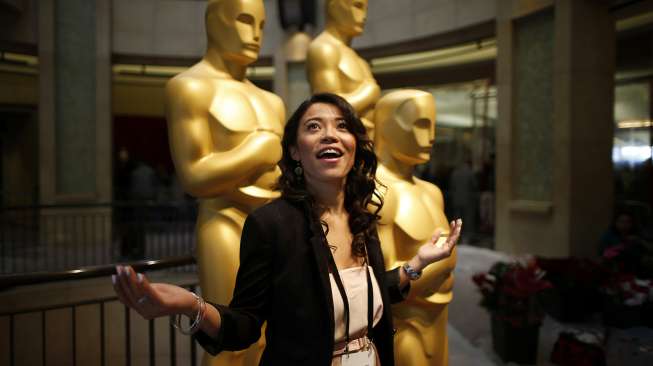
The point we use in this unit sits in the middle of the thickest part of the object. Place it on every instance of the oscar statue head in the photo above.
(235, 29)
(405, 125)
(347, 16)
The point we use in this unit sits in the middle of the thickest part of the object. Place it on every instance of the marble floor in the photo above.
(462, 352)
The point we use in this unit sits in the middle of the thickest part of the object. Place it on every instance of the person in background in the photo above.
(623, 231)
(142, 192)
(624, 245)
(463, 192)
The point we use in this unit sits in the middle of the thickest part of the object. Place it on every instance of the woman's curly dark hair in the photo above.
(360, 187)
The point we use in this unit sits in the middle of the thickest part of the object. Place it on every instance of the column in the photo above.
(555, 79)
(74, 112)
(74, 101)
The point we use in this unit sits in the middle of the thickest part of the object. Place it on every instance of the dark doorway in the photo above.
(139, 140)
(19, 161)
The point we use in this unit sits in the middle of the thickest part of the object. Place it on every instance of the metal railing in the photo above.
(66, 346)
(49, 238)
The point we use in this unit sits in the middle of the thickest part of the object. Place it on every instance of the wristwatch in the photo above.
(412, 274)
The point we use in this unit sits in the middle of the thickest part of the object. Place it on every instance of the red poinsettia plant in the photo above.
(626, 289)
(510, 291)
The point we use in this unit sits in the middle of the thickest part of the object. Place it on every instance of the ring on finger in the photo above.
(142, 300)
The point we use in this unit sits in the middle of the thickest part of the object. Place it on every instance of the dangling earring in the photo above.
(299, 171)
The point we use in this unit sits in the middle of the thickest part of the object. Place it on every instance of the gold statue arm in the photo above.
(388, 229)
(431, 273)
(324, 76)
(203, 171)
(389, 254)
(386, 236)
(439, 289)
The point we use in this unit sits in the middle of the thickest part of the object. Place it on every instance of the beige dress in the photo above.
(354, 281)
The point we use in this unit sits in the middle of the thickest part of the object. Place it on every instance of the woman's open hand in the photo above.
(151, 300)
(432, 252)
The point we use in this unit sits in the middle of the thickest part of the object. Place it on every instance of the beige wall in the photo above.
(173, 27)
(138, 97)
(156, 27)
(392, 21)
(18, 88)
(176, 27)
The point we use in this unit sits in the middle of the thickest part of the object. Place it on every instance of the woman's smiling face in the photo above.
(325, 147)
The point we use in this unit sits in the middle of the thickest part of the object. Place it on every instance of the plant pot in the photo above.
(516, 344)
(568, 350)
(569, 306)
(564, 307)
(648, 314)
(623, 316)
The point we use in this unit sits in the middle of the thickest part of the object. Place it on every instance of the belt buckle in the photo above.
(366, 344)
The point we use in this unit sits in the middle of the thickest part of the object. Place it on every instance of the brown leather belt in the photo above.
(355, 345)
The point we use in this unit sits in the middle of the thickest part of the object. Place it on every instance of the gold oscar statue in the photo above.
(225, 139)
(413, 209)
(333, 66)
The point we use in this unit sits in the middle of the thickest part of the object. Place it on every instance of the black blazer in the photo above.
(284, 279)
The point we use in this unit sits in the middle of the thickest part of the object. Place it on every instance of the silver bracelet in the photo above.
(175, 320)
(411, 273)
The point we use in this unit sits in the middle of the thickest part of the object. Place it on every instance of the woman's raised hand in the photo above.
(151, 300)
(432, 252)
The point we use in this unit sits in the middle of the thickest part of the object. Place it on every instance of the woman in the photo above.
(304, 257)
